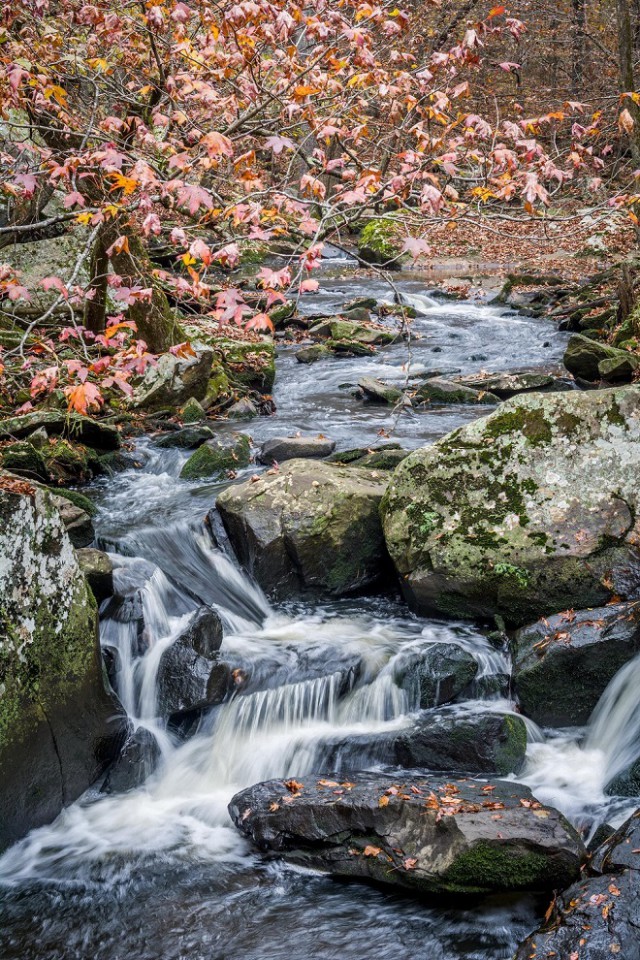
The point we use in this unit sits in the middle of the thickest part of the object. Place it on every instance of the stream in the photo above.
(160, 873)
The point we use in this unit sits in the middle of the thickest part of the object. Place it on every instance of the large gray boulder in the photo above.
(311, 526)
(420, 833)
(527, 512)
(596, 918)
(174, 380)
(563, 664)
(59, 728)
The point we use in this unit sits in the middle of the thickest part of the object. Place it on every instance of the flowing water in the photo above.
(159, 872)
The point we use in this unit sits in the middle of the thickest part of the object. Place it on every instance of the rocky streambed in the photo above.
(376, 660)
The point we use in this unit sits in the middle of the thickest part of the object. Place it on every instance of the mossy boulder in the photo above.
(59, 727)
(311, 527)
(25, 460)
(563, 664)
(505, 385)
(313, 353)
(193, 411)
(188, 438)
(348, 330)
(527, 512)
(591, 360)
(380, 242)
(421, 833)
(214, 458)
(377, 391)
(92, 433)
(438, 390)
(249, 365)
(350, 348)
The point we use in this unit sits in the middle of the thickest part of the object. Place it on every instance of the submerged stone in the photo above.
(418, 833)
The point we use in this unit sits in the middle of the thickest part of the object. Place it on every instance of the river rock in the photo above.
(448, 739)
(98, 569)
(420, 833)
(309, 527)
(437, 673)
(216, 458)
(338, 329)
(93, 433)
(313, 353)
(78, 523)
(505, 385)
(290, 448)
(596, 918)
(59, 728)
(193, 411)
(439, 390)
(25, 460)
(376, 391)
(191, 675)
(187, 438)
(563, 664)
(584, 357)
(173, 380)
(385, 457)
(528, 511)
(243, 409)
(138, 759)
(351, 348)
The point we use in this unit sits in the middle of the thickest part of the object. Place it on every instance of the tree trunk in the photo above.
(578, 27)
(627, 82)
(95, 311)
(155, 320)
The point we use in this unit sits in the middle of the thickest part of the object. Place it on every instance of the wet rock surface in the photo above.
(280, 449)
(419, 833)
(563, 664)
(191, 675)
(597, 918)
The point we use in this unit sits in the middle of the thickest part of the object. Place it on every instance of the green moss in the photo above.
(379, 241)
(78, 499)
(510, 572)
(502, 866)
(530, 422)
(214, 459)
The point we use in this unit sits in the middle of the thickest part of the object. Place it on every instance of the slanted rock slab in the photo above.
(290, 448)
(420, 833)
(563, 664)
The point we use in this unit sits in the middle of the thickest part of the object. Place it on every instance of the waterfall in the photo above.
(614, 727)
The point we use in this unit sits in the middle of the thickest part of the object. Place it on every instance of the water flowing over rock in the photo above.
(445, 740)
(190, 675)
(440, 673)
(597, 918)
(526, 512)
(464, 837)
(562, 665)
(59, 727)
(309, 527)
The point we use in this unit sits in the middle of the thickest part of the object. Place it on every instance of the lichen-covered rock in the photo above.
(76, 520)
(290, 448)
(584, 357)
(563, 664)
(527, 512)
(247, 364)
(193, 411)
(341, 330)
(309, 527)
(385, 457)
(173, 380)
(596, 918)
(23, 459)
(313, 353)
(59, 727)
(188, 438)
(447, 739)
(216, 457)
(418, 833)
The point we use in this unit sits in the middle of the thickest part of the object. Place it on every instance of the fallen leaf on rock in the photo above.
(371, 851)
(410, 863)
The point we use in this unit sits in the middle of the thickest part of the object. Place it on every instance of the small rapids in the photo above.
(159, 872)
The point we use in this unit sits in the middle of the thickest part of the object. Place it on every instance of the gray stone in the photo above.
(527, 512)
(417, 833)
(439, 390)
(312, 526)
(98, 569)
(174, 380)
(583, 357)
(280, 449)
(191, 675)
(375, 391)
